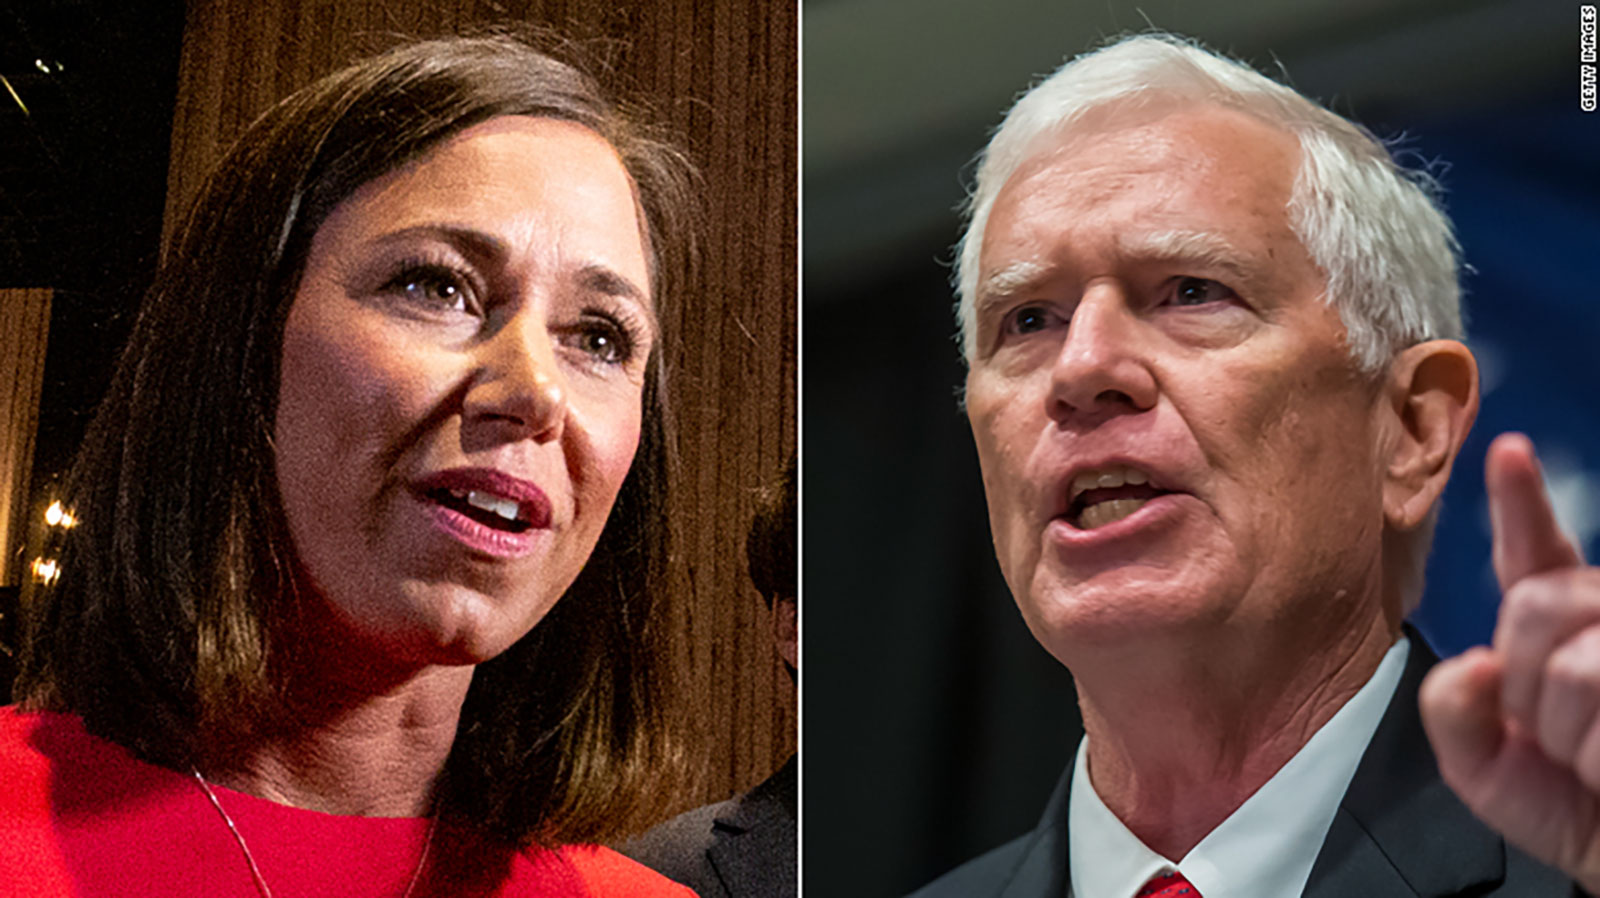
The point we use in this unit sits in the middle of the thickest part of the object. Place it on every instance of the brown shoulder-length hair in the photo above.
(177, 590)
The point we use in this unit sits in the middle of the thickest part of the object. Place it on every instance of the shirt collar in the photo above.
(1265, 848)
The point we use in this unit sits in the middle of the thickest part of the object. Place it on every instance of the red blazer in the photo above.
(80, 816)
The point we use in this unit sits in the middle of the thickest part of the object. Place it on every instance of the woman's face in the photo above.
(462, 374)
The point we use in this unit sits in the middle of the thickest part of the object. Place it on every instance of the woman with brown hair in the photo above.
(397, 389)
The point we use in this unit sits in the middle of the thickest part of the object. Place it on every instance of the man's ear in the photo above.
(1432, 394)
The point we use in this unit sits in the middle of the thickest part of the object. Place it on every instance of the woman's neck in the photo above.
(349, 749)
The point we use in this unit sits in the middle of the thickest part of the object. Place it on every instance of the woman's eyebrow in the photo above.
(601, 279)
(470, 241)
(604, 280)
(593, 277)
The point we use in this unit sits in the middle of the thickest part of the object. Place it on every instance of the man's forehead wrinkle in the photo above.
(1153, 147)
(1202, 192)
(1079, 179)
(1082, 179)
(1034, 202)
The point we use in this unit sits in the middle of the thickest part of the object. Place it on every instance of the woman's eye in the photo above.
(433, 287)
(604, 340)
(1193, 291)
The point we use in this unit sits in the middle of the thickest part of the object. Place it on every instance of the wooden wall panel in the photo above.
(722, 73)
(24, 326)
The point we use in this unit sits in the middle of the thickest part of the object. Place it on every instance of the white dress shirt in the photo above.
(1265, 848)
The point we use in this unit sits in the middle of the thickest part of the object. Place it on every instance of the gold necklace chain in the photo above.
(255, 870)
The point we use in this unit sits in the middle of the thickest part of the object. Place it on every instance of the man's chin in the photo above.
(1122, 605)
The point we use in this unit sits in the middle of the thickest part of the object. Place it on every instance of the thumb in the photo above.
(1460, 704)
(1527, 539)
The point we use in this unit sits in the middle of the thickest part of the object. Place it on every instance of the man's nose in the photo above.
(1102, 369)
(518, 390)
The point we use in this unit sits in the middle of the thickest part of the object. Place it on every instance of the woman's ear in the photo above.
(1432, 394)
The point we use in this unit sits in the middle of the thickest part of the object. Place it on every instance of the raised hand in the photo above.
(1516, 727)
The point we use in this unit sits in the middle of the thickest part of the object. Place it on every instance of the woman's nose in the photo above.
(517, 385)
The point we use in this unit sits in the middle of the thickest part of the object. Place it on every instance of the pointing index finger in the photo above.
(1527, 539)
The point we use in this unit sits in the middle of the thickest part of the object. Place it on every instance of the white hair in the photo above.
(1373, 228)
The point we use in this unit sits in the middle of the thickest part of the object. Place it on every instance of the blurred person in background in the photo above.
(745, 847)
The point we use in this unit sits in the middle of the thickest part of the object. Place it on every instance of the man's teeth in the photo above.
(1103, 513)
(505, 508)
(1119, 475)
(1099, 514)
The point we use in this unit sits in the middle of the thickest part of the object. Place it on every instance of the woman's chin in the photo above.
(423, 624)
(461, 626)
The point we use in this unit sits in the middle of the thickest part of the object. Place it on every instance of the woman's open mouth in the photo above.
(486, 508)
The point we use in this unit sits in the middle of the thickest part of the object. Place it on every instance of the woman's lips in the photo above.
(487, 510)
(489, 490)
(481, 537)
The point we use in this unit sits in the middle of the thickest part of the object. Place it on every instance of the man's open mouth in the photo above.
(1105, 495)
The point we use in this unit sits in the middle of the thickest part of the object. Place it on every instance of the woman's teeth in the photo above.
(505, 508)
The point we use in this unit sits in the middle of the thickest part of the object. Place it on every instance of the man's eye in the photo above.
(1192, 291)
(1030, 319)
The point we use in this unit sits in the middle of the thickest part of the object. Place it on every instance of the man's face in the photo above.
(1171, 431)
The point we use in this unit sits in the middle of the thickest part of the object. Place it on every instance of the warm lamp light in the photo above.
(45, 570)
(58, 516)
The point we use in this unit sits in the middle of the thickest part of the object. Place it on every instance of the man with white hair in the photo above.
(1216, 383)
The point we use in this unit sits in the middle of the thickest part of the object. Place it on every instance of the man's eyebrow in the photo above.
(1204, 248)
(1017, 277)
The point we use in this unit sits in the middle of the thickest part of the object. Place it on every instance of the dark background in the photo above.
(83, 174)
(85, 125)
(934, 724)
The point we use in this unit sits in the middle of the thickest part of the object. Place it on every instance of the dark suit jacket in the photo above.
(1399, 831)
(744, 847)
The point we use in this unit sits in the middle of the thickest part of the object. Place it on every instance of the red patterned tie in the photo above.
(1168, 885)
